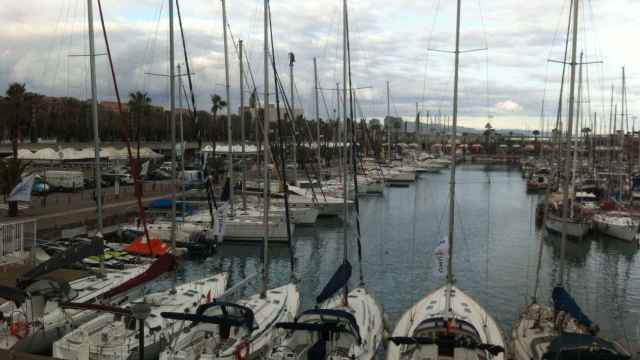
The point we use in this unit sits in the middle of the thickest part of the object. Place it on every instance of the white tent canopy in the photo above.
(111, 153)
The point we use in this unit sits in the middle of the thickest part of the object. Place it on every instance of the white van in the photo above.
(64, 180)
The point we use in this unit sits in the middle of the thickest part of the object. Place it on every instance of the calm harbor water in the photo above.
(495, 250)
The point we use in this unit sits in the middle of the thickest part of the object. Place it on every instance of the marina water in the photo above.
(496, 251)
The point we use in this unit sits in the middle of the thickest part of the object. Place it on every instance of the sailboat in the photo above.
(35, 313)
(344, 324)
(576, 225)
(242, 329)
(563, 331)
(448, 323)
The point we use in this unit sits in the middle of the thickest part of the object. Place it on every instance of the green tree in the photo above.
(139, 104)
(217, 104)
(11, 169)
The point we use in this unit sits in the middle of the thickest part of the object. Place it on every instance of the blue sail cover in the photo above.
(569, 346)
(635, 183)
(337, 282)
(218, 312)
(562, 301)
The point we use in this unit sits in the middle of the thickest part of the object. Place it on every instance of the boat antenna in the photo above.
(567, 164)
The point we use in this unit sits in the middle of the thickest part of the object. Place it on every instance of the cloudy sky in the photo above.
(390, 40)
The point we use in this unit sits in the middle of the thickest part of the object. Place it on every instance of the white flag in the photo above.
(219, 223)
(145, 169)
(22, 191)
(441, 258)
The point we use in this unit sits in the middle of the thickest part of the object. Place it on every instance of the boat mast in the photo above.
(452, 181)
(266, 155)
(567, 167)
(345, 178)
(292, 59)
(388, 122)
(96, 128)
(242, 125)
(228, 91)
(317, 105)
(172, 81)
(576, 138)
(182, 144)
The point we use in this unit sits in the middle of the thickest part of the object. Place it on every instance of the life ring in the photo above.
(242, 351)
(19, 329)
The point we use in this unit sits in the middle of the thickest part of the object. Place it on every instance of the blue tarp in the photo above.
(337, 282)
(165, 204)
(563, 301)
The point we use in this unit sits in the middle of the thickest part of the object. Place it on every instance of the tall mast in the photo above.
(388, 122)
(317, 105)
(567, 164)
(172, 81)
(242, 125)
(96, 128)
(576, 138)
(452, 181)
(266, 158)
(228, 90)
(292, 59)
(182, 144)
(345, 178)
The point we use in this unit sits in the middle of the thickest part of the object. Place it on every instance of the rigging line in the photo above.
(282, 149)
(426, 62)
(354, 156)
(246, 58)
(564, 67)
(151, 46)
(124, 125)
(186, 61)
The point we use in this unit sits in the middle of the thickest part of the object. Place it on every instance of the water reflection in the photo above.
(496, 251)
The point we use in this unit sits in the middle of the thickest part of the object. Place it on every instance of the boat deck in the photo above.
(16, 355)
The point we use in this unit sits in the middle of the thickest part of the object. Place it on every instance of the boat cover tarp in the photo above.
(337, 282)
(226, 191)
(318, 351)
(218, 312)
(447, 342)
(165, 204)
(326, 315)
(140, 246)
(571, 346)
(562, 301)
(64, 259)
(18, 296)
(636, 183)
(163, 264)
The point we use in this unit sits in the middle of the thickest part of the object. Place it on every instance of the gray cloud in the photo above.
(389, 42)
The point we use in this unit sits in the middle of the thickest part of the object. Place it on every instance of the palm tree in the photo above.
(11, 169)
(217, 104)
(139, 104)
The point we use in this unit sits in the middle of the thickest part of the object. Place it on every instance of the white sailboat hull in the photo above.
(623, 228)
(434, 306)
(57, 322)
(281, 305)
(575, 229)
(106, 338)
(368, 315)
